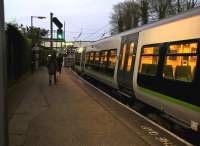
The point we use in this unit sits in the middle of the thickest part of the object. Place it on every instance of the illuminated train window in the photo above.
(123, 55)
(96, 57)
(131, 55)
(104, 56)
(149, 61)
(91, 56)
(180, 62)
(113, 58)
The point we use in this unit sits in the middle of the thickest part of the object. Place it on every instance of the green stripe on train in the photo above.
(173, 100)
(100, 75)
(78, 67)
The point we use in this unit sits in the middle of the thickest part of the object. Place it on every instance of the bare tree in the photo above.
(117, 19)
(161, 7)
(144, 11)
(131, 14)
(184, 5)
(179, 7)
(126, 15)
(191, 3)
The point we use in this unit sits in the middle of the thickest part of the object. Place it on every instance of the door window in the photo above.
(123, 56)
(130, 56)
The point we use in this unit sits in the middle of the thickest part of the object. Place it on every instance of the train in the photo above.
(158, 64)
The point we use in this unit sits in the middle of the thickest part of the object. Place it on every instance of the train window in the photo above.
(123, 55)
(131, 54)
(150, 51)
(91, 56)
(87, 57)
(149, 61)
(96, 57)
(104, 56)
(112, 58)
(180, 62)
(182, 48)
(77, 58)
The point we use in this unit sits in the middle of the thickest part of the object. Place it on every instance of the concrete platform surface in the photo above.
(73, 113)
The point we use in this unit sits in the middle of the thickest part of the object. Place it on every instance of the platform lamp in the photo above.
(38, 17)
(35, 49)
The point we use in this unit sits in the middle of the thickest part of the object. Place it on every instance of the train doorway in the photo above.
(127, 62)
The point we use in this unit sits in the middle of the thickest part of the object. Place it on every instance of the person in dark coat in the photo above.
(59, 62)
(51, 65)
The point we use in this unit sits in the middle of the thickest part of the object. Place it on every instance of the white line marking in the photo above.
(138, 114)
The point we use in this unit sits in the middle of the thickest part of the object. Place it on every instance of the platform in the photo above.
(73, 113)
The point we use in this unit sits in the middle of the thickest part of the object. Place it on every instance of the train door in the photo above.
(127, 62)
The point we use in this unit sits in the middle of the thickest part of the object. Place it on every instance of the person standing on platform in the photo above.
(51, 65)
(59, 62)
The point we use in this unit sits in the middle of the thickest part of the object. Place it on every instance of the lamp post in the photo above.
(3, 113)
(51, 30)
(38, 17)
(35, 49)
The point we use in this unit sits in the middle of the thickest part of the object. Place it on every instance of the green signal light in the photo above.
(60, 34)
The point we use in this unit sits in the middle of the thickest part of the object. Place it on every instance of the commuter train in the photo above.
(159, 64)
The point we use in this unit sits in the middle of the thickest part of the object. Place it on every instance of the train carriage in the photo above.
(101, 60)
(167, 68)
(158, 64)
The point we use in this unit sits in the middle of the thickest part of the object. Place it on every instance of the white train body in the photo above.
(164, 36)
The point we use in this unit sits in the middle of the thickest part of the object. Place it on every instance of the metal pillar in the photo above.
(31, 21)
(3, 113)
(51, 29)
(64, 30)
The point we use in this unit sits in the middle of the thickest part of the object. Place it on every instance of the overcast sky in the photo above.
(87, 16)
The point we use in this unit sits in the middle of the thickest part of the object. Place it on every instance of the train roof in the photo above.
(107, 39)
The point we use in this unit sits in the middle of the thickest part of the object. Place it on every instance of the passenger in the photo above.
(51, 65)
(59, 62)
